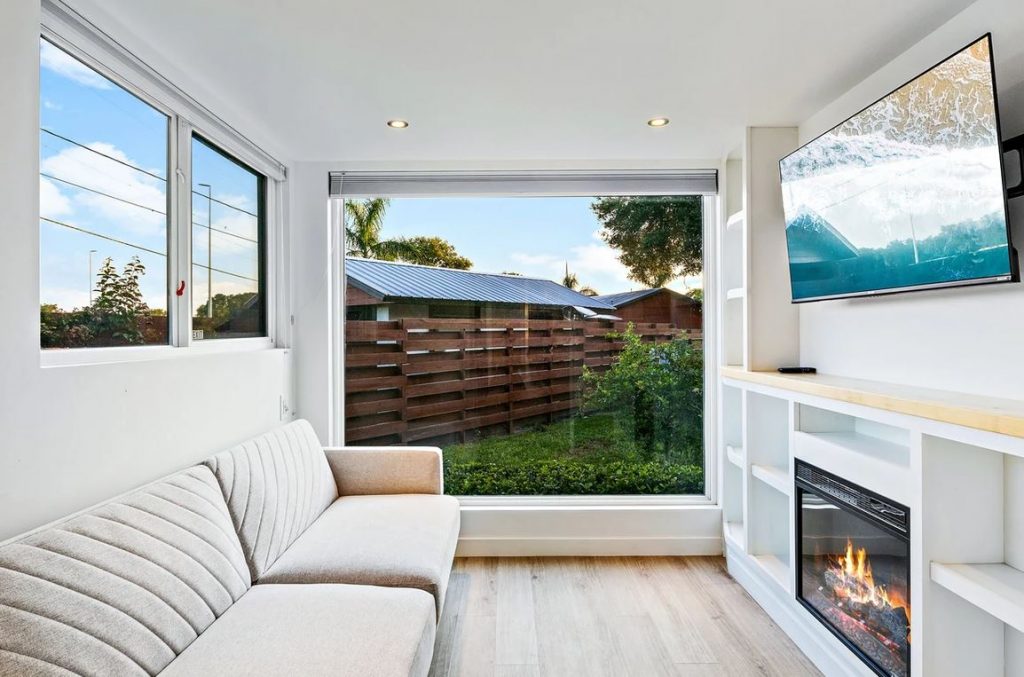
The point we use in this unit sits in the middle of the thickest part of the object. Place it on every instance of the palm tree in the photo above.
(363, 225)
(570, 280)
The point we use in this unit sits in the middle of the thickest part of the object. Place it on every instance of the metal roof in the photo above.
(627, 297)
(388, 280)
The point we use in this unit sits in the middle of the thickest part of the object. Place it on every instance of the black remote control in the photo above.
(797, 370)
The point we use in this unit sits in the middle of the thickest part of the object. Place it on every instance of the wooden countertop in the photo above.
(990, 414)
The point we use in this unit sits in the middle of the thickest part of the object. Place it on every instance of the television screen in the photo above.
(907, 194)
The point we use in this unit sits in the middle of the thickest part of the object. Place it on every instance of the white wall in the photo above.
(311, 306)
(72, 436)
(968, 339)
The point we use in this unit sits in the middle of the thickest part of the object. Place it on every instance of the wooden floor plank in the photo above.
(616, 616)
(516, 626)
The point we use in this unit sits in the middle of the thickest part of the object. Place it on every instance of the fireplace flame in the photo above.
(858, 584)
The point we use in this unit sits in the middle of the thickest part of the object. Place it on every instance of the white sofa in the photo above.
(277, 557)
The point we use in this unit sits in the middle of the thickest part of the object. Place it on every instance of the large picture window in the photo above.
(549, 345)
(123, 261)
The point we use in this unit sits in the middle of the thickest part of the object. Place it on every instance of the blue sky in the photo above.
(534, 236)
(100, 188)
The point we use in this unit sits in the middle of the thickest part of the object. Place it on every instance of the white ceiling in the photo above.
(515, 79)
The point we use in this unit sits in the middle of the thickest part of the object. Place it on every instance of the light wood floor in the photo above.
(642, 616)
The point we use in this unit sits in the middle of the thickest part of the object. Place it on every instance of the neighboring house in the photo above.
(385, 290)
(656, 305)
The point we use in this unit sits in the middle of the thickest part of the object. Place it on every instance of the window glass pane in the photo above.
(550, 346)
(227, 246)
(103, 157)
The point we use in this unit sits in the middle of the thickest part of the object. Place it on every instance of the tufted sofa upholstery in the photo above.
(250, 564)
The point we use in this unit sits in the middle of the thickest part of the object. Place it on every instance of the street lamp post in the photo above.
(91, 252)
(209, 248)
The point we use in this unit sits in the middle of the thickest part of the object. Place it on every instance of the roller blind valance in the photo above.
(412, 184)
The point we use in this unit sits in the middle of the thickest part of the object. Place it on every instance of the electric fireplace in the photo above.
(854, 567)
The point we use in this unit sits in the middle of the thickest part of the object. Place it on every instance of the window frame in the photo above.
(83, 41)
(262, 182)
(543, 184)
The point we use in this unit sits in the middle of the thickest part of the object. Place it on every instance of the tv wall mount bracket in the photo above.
(1009, 146)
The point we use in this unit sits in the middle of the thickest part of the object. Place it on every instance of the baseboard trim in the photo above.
(588, 546)
(817, 643)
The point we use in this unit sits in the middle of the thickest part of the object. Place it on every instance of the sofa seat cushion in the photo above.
(403, 540)
(344, 630)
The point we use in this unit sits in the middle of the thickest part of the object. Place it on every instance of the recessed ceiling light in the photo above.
(398, 124)
(657, 122)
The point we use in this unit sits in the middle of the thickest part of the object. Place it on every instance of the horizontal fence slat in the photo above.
(377, 430)
(494, 372)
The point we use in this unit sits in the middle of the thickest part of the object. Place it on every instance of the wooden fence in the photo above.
(432, 381)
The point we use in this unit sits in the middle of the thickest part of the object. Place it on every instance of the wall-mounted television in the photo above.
(907, 194)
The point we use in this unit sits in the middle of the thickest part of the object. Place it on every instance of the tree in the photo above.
(430, 251)
(119, 303)
(656, 391)
(363, 225)
(572, 282)
(697, 294)
(659, 238)
(225, 306)
(363, 238)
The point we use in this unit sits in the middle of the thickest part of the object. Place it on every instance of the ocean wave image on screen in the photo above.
(907, 193)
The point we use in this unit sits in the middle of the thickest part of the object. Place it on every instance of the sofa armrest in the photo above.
(360, 471)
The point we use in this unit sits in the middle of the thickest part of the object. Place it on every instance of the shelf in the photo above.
(776, 478)
(735, 294)
(734, 533)
(775, 568)
(735, 455)
(997, 589)
(971, 411)
(862, 459)
(736, 220)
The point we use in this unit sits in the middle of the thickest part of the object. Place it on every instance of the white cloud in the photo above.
(58, 61)
(595, 265)
(52, 203)
(49, 105)
(79, 165)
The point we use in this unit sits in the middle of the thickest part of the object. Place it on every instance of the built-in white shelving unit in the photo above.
(950, 458)
(997, 589)
(967, 550)
(735, 456)
(777, 478)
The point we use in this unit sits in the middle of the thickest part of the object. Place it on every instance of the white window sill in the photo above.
(77, 357)
(610, 502)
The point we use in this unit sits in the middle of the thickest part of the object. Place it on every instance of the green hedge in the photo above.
(571, 477)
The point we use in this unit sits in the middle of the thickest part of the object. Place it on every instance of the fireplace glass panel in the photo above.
(854, 577)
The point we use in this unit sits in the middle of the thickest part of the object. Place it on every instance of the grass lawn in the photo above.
(588, 455)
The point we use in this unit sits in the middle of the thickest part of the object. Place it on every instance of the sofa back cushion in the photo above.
(123, 588)
(275, 486)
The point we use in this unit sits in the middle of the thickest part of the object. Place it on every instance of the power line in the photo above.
(225, 232)
(144, 171)
(229, 206)
(136, 246)
(141, 206)
(109, 157)
(100, 192)
(101, 236)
